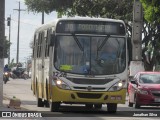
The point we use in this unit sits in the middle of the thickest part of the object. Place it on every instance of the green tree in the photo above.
(92, 8)
(151, 10)
(47, 6)
(152, 15)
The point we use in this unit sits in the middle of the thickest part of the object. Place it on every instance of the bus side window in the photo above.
(49, 39)
(52, 39)
(47, 43)
(38, 45)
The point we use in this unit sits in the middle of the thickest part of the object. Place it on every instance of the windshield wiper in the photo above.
(78, 43)
(103, 43)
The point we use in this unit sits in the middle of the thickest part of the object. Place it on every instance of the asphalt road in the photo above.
(21, 89)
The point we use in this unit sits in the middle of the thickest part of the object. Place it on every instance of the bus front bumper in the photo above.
(70, 96)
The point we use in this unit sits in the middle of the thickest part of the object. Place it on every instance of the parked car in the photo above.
(144, 89)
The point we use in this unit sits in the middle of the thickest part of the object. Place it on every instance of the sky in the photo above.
(29, 21)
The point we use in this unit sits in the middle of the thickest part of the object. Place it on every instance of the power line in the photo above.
(24, 22)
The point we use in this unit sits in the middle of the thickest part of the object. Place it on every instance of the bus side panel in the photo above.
(34, 56)
(46, 78)
(40, 82)
(45, 62)
(33, 77)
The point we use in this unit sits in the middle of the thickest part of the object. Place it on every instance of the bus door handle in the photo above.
(42, 66)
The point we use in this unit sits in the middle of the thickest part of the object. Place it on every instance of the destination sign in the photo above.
(91, 27)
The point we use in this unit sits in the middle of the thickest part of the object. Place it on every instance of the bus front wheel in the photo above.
(54, 106)
(112, 107)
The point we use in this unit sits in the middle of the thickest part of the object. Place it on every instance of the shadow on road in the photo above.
(79, 111)
(29, 102)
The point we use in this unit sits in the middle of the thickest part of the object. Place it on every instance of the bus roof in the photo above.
(92, 19)
(53, 23)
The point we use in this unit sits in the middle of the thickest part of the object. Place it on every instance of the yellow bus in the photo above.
(80, 61)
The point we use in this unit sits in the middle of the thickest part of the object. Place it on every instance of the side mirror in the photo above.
(52, 40)
(129, 47)
(133, 81)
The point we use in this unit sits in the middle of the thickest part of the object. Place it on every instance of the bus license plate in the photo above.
(157, 99)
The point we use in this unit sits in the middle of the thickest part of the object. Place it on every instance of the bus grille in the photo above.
(90, 81)
(89, 95)
(86, 88)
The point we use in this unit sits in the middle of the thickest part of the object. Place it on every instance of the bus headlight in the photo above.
(59, 83)
(119, 85)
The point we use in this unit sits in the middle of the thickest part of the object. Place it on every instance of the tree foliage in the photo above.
(152, 41)
(151, 10)
(92, 8)
(48, 6)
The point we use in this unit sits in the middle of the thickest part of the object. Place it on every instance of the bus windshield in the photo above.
(90, 55)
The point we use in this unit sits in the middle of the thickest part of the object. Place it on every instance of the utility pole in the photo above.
(2, 37)
(19, 10)
(9, 24)
(136, 64)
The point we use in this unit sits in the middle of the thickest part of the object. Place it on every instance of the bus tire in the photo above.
(46, 103)
(40, 103)
(54, 106)
(89, 106)
(112, 107)
(97, 106)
